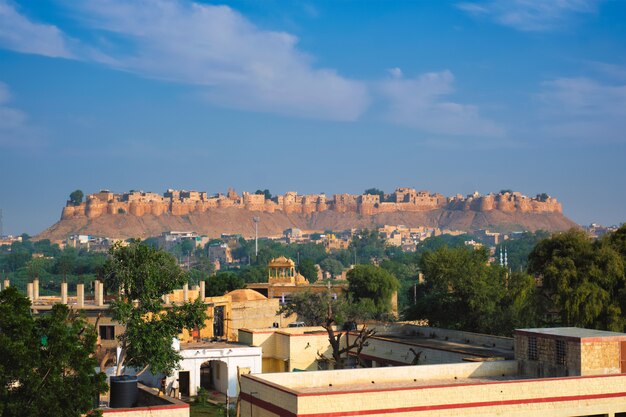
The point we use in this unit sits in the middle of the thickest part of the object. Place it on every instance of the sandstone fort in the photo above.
(179, 203)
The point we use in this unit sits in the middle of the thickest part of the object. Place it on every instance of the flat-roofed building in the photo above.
(595, 386)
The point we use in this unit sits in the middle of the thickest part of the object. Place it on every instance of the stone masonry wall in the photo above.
(180, 203)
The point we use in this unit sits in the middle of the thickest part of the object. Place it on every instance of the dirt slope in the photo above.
(234, 220)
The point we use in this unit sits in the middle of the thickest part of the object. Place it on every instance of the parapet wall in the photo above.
(180, 203)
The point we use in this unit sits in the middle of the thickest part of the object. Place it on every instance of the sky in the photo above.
(329, 96)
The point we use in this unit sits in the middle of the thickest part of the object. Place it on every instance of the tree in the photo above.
(266, 193)
(375, 191)
(308, 269)
(141, 275)
(332, 266)
(76, 197)
(47, 364)
(187, 247)
(406, 271)
(374, 286)
(223, 282)
(65, 262)
(583, 282)
(327, 311)
(368, 245)
(518, 249)
(462, 291)
(251, 274)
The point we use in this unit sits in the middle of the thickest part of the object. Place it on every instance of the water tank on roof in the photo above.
(123, 391)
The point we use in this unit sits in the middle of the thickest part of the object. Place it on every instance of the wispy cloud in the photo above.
(14, 129)
(20, 34)
(239, 64)
(530, 15)
(584, 109)
(422, 103)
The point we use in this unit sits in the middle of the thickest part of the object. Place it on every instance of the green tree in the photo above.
(328, 311)
(582, 280)
(46, 362)
(76, 197)
(308, 269)
(332, 266)
(251, 274)
(617, 241)
(368, 246)
(374, 286)
(406, 271)
(266, 193)
(204, 265)
(461, 291)
(187, 247)
(223, 282)
(518, 249)
(141, 275)
(65, 262)
(375, 191)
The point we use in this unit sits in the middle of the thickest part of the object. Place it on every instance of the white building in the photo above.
(215, 366)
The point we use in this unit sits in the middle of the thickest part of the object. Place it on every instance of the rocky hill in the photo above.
(139, 214)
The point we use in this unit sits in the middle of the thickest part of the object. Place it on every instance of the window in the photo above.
(107, 332)
(560, 352)
(532, 349)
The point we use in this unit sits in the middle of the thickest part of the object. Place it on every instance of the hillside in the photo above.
(233, 220)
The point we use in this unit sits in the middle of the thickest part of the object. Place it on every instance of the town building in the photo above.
(211, 357)
(592, 384)
(308, 348)
(220, 252)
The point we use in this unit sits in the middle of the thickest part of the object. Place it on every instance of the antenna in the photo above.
(1, 223)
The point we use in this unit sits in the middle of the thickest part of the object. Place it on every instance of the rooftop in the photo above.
(392, 378)
(573, 332)
(448, 345)
(212, 345)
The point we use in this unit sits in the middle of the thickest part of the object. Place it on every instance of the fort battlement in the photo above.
(181, 202)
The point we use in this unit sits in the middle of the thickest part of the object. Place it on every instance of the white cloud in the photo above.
(584, 109)
(20, 34)
(395, 72)
(421, 103)
(14, 129)
(241, 65)
(530, 15)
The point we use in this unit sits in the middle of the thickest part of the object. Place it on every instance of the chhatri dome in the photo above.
(282, 270)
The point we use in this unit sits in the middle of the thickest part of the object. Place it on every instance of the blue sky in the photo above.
(332, 96)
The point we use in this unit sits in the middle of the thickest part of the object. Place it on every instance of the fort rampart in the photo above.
(180, 202)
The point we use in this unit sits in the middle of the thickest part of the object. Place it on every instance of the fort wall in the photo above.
(181, 202)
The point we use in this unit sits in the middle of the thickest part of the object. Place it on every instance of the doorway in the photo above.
(183, 382)
(218, 321)
(214, 376)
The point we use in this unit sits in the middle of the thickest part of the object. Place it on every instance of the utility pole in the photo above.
(256, 221)
(1, 223)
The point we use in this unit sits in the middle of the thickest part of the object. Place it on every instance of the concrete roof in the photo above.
(449, 346)
(572, 332)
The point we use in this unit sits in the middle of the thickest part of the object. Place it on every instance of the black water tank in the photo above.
(123, 391)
